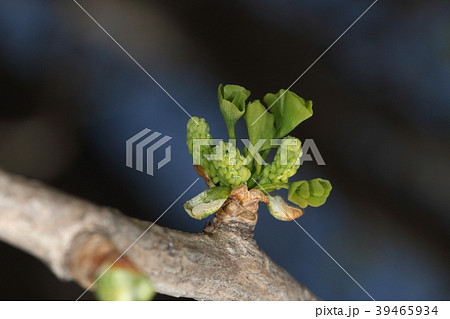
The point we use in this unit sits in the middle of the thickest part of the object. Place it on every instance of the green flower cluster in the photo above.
(223, 163)
(285, 163)
(229, 166)
(197, 128)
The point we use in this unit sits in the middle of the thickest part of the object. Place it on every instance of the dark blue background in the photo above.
(70, 98)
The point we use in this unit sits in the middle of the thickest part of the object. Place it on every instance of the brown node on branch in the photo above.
(240, 209)
(91, 254)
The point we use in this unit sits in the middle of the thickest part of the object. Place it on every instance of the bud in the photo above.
(207, 202)
(123, 284)
(281, 210)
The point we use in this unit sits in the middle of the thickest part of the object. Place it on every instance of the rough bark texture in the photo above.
(73, 237)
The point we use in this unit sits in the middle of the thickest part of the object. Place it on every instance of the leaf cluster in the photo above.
(273, 118)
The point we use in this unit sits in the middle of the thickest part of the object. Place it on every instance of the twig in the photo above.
(68, 234)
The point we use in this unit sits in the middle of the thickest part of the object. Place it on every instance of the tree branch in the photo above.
(71, 236)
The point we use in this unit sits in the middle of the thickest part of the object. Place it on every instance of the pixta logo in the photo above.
(141, 142)
(219, 153)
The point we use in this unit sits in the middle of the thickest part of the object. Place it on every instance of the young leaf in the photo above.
(313, 193)
(289, 110)
(263, 128)
(232, 104)
(207, 202)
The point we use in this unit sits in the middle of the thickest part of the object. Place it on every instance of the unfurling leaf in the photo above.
(207, 202)
(313, 193)
(260, 124)
(281, 210)
(289, 110)
(232, 104)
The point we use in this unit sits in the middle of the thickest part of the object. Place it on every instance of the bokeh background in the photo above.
(70, 98)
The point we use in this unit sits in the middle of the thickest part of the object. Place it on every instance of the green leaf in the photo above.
(207, 202)
(313, 193)
(263, 128)
(232, 104)
(289, 110)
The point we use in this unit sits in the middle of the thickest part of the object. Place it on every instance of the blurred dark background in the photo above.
(70, 98)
